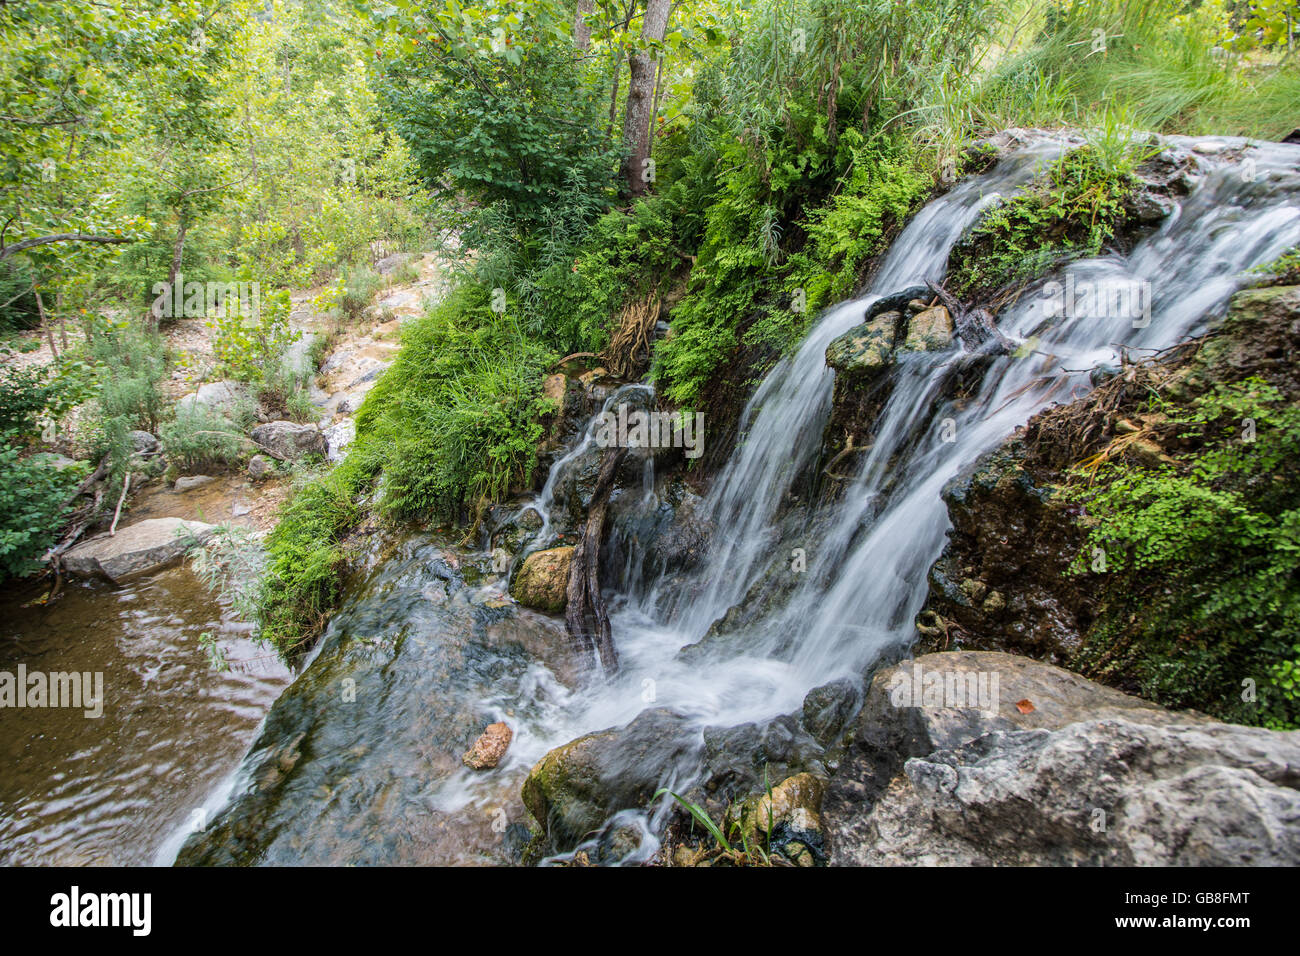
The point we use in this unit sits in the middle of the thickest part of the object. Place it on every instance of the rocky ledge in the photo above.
(980, 758)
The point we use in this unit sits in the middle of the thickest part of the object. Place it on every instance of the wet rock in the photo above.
(259, 467)
(289, 440)
(826, 709)
(930, 331)
(538, 637)
(575, 788)
(489, 748)
(225, 396)
(1149, 207)
(1012, 537)
(136, 549)
(685, 537)
(191, 482)
(516, 530)
(742, 761)
(337, 439)
(543, 579)
(866, 350)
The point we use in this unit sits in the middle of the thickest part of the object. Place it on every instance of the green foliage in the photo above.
(494, 103)
(456, 418)
(883, 186)
(360, 283)
(33, 502)
(33, 493)
(304, 555)
(1208, 559)
(1284, 270)
(1171, 65)
(253, 351)
(1071, 210)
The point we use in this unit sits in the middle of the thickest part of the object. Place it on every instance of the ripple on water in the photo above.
(79, 790)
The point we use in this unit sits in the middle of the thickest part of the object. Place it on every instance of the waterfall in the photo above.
(866, 574)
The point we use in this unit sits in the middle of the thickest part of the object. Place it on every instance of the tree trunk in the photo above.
(172, 296)
(46, 325)
(581, 29)
(640, 99)
(585, 616)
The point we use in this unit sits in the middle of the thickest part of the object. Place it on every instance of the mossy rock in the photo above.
(867, 350)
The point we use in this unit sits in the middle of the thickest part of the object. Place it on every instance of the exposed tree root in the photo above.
(586, 616)
(628, 351)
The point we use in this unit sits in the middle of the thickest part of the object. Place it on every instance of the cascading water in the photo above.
(867, 554)
(866, 577)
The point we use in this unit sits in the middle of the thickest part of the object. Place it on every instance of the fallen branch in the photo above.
(117, 512)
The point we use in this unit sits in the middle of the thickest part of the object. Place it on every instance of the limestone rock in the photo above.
(946, 765)
(136, 549)
(489, 748)
(289, 440)
(1111, 792)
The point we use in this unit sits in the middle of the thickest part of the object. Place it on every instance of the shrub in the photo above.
(458, 413)
(200, 438)
(33, 504)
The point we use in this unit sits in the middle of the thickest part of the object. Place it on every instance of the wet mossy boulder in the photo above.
(574, 790)
(867, 350)
(543, 580)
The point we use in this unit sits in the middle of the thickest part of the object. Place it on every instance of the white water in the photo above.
(866, 578)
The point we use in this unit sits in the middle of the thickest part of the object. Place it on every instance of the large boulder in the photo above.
(136, 549)
(979, 758)
(576, 788)
(543, 580)
(867, 349)
(289, 440)
(1112, 792)
(224, 397)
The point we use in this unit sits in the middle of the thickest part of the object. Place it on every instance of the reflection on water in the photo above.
(78, 790)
